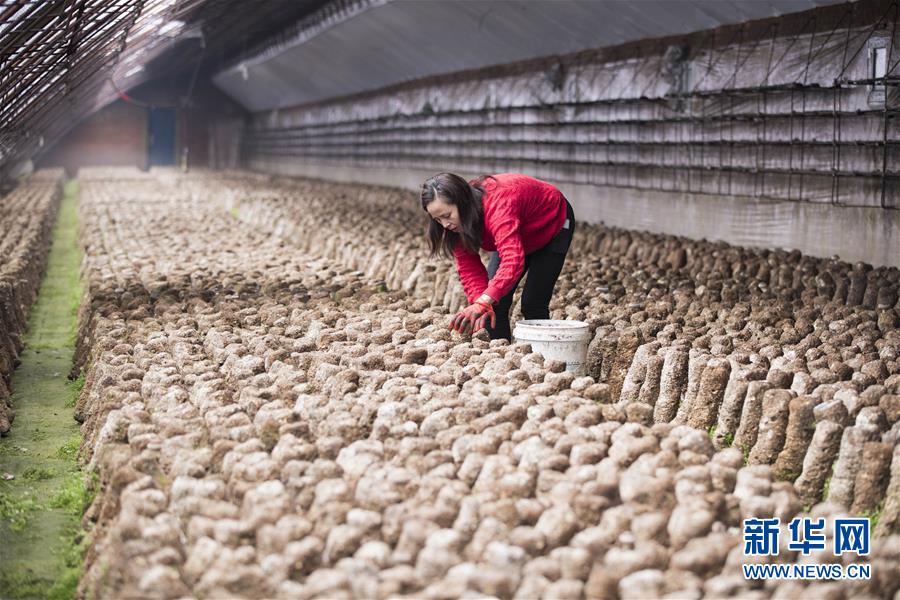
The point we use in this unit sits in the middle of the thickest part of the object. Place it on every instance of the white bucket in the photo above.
(560, 340)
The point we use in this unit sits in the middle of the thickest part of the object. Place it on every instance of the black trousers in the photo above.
(542, 269)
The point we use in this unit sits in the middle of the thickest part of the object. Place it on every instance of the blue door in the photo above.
(162, 136)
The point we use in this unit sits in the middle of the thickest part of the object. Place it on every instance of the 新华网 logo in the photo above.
(762, 538)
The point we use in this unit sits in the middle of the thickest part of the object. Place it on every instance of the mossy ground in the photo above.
(41, 508)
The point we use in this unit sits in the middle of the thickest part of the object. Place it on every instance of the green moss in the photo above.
(74, 305)
(38, 474)
(69, 450)
(15, 585)
(11, 449)
(71, 187)
(729, 439)
(28, 583)
(826, 487)
(74, 546)
(790, 476)
(40, 511)
(873, 515)
(73, 495)
(78, 384)
(66, 586)
(75, 387)
(39, 434)
(16, 510)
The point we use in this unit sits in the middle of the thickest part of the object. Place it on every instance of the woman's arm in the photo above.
(471, 271)
(506, 229)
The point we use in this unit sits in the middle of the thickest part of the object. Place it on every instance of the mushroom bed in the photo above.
(26, 220)
(275, 407)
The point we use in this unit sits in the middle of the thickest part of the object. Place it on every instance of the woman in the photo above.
(527, 224)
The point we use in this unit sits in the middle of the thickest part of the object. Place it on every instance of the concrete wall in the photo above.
(116, 135)
(871, 235)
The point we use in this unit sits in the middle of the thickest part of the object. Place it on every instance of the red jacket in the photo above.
(521, 215)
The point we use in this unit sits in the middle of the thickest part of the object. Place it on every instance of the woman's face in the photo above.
(444, 213)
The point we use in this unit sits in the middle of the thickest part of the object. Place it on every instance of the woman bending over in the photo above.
(526, 224)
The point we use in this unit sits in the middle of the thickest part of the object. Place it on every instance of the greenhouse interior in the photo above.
(450, 299)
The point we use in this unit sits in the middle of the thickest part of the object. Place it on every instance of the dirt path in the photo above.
(40, 508)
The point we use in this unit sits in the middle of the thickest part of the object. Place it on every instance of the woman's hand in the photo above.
(474, 318)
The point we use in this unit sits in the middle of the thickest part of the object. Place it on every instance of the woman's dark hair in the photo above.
(455, 190)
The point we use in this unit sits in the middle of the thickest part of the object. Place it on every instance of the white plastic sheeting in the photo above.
(773, 136)
(386, 42)
(778, 118)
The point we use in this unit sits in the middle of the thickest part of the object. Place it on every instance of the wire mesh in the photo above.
(62, 59)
